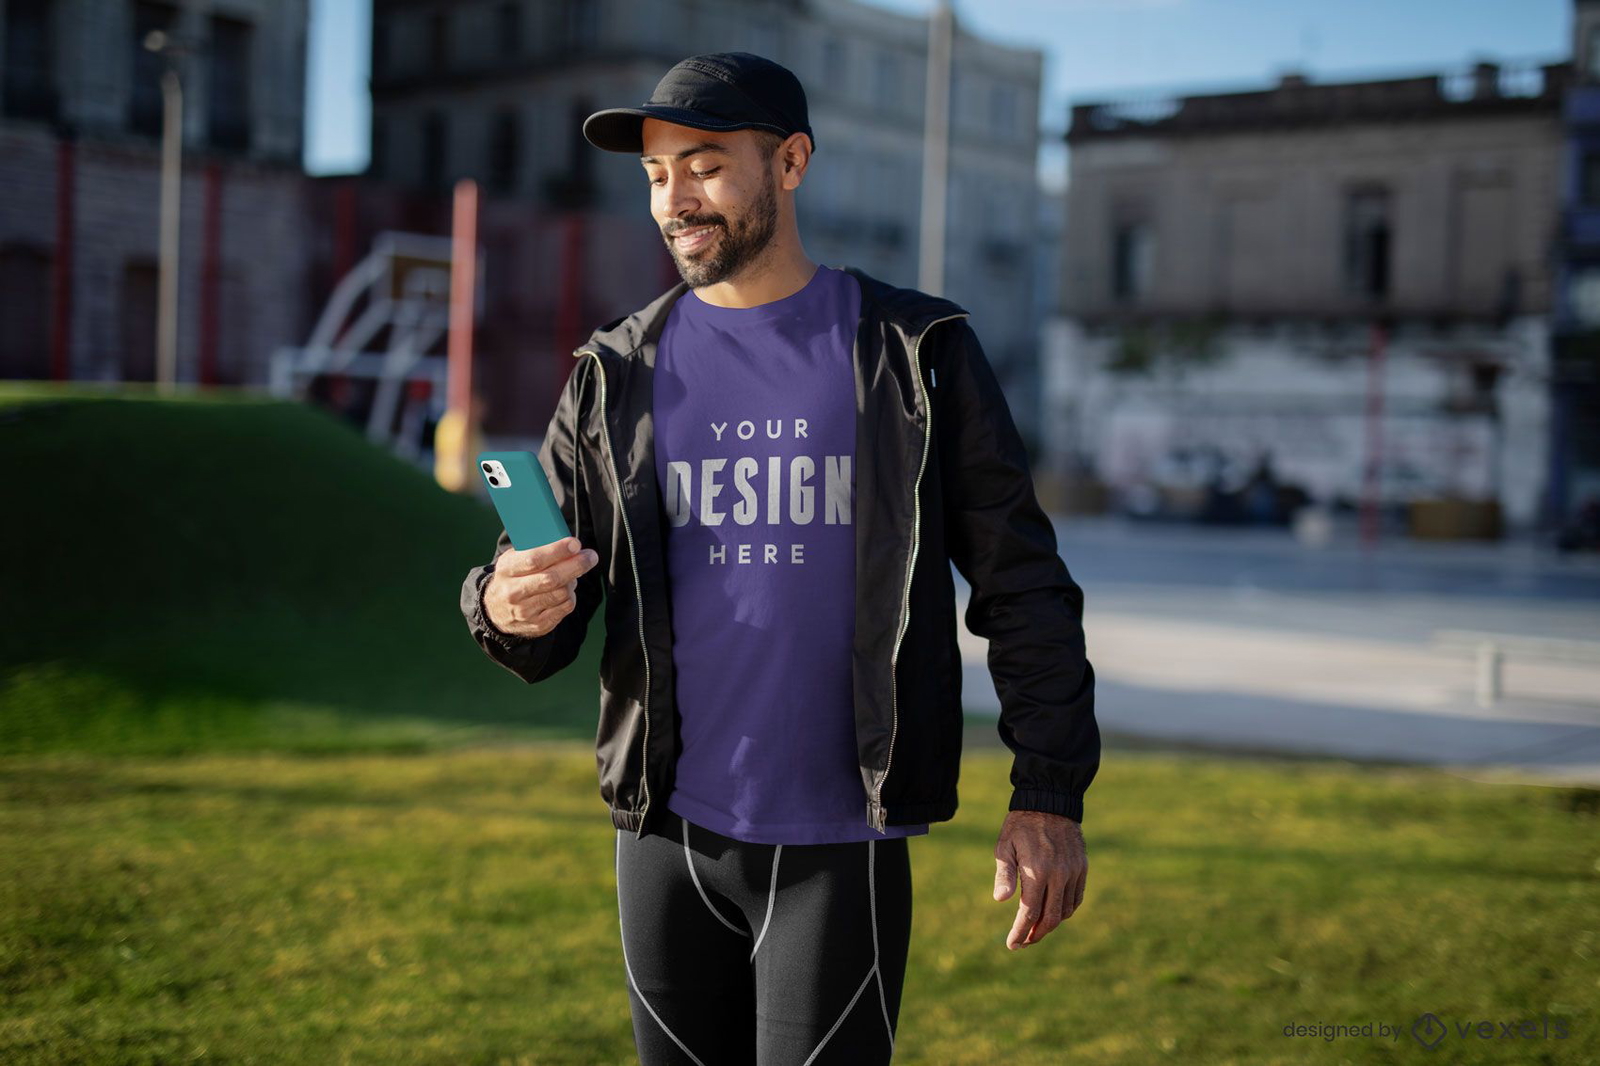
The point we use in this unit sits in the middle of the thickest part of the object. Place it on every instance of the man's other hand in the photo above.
(1049, 852)
(531, 591)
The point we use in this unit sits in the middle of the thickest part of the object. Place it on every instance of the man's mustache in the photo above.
(681, 226)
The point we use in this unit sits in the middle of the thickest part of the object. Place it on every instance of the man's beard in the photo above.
(732, 248)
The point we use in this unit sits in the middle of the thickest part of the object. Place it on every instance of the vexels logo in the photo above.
(1429, 1030)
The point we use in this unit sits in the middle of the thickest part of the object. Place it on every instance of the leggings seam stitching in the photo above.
(629, 967)
(772, 899)
(688, 857)
(842, 1016)
(872, 894)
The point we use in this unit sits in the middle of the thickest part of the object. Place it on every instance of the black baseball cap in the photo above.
(719, 91)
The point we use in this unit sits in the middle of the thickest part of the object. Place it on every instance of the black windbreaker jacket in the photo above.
(941, 474)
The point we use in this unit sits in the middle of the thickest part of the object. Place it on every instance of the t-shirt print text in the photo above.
(782, 492)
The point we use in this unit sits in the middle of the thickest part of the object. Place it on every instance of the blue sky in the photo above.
(1092, 47)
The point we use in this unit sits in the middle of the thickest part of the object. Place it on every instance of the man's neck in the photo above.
(763, 286)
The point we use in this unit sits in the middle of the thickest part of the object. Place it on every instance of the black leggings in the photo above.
(769, 954)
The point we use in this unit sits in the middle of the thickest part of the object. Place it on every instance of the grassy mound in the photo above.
(226, 570)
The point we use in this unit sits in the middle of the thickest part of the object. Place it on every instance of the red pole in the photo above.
(344, 229)
(210, 273)
(463, 292)
(61, 276)
(1371, 481)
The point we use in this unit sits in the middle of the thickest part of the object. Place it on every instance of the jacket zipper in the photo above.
(916, 538)
(638, 591)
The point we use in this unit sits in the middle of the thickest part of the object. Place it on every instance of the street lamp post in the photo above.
(936, 149)
(171, 178)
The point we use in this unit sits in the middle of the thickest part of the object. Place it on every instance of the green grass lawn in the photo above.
(262, 800)
(460, 907)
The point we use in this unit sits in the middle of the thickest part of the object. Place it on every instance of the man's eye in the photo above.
(693, 173)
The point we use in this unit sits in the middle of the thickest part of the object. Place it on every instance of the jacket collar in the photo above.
(912, 309)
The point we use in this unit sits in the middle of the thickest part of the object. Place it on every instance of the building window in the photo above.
(508, 26)
(433, 149)
(439, 41)
(230, 84)
(24, 311)
(1367, 238)
(378, 165)
(30, 84)
(380, 47)
(887, 74)
(136, 314)
(764, 35)
(581, 23)
(1589, 179)
(833, 64)
(1583, 295)
(503, 151)
(1003, 110)
(1132, 255)
(144, 100)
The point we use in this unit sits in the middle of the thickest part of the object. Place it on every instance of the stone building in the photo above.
(497, 90)
(1233, 260)
(80, 128)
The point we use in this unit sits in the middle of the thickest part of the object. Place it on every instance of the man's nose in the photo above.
(678, 198)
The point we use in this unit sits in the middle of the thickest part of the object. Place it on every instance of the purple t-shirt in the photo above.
(755, 442)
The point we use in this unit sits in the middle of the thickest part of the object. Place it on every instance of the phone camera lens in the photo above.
(494, 481)
(487, 467)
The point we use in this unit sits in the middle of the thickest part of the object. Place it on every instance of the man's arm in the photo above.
(535, 658)
(1024, 601)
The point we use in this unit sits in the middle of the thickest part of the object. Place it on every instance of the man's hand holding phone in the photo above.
(531, 591)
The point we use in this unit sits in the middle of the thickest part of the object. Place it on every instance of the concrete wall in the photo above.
(1254, 223)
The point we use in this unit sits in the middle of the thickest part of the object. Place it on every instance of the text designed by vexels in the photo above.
(1433, 1030)
(782, 494)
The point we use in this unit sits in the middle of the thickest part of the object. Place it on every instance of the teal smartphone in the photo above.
(521, 493)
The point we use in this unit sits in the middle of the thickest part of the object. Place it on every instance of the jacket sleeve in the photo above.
(1023, 601)
(535, 658)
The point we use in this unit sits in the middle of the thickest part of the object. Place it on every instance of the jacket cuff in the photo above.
(509, 641)
(1067, 804)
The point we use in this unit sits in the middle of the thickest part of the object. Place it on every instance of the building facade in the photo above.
(1246, 275)
(80, 125)
(498, 89)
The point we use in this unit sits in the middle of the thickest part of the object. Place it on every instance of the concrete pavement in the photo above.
(1246, 640)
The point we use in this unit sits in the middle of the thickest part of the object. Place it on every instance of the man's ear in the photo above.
(794, 159)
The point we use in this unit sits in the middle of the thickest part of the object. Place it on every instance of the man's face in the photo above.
(712, 195)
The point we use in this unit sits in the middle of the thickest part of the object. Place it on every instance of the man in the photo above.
(767, 471)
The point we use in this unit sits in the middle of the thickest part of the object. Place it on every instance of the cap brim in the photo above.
(621, 129)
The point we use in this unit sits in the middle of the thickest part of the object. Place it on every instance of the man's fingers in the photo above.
(1005, 877)
(551, 586)
(1055, 900)
(514, 563)
(1029, 909)
(547, 618)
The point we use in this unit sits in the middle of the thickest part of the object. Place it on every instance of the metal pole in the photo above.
(171, 177)
(936, 149)
(463, 294)
(456, 439)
